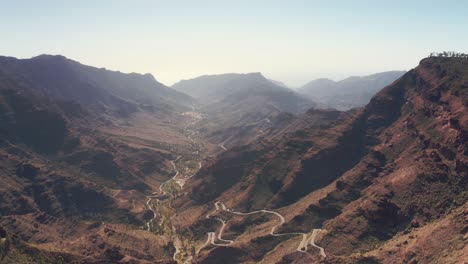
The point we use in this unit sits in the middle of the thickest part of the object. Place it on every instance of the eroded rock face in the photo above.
(383, 182)
(418, 182)
(393, 175)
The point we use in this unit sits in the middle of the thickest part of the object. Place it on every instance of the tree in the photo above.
(451, 54)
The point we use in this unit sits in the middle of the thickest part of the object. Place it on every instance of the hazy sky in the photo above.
(290, 41)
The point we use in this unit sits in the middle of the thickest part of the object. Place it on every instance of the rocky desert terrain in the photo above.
(100, 166)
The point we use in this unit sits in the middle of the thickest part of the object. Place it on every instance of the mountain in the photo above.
(230, 88)
(383, 184)
(349, 93)
(248, 174)
(64, 183)
(61, 78)
(278, 83)
(233, 103)
(80, 149)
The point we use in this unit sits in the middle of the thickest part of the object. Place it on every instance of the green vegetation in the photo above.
(163, 224)
(451, 54)
(454, 69)
(172, 188)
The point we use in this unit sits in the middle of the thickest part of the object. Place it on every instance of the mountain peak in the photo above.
(44, 55)
(51, 57)
(256, 74)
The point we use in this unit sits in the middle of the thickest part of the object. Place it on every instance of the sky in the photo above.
(292, 41)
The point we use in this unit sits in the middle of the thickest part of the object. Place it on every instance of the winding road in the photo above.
(302, 247)
(212, 237)
(159, 195)
(148, 227)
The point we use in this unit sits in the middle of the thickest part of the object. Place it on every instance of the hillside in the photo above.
(247, 176)
(233, 103)
(349, 93)
(60, 180)
(130, 108)
(374, 184)
(79, 154)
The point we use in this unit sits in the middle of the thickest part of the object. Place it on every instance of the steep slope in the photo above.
(68, 80)
(264, 170)
(421, 180)
(349, 93)
(377, 181)
(71, 193)
(382, 184)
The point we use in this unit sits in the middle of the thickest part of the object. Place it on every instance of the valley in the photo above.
(160, 204)
(238, 170)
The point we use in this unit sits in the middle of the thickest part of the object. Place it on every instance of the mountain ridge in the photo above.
(90, 85)
(239, 180)
(389, 170)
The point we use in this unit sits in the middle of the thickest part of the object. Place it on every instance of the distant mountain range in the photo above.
(236, 102)
(232, 88)
(349, 93)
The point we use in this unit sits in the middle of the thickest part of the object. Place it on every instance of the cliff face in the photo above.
(419, 180)
(385, 183)
(379, 180)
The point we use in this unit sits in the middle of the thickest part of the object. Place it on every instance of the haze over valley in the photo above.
(362, 162)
